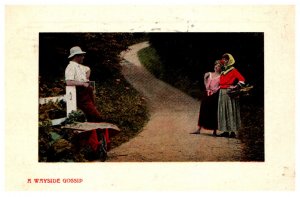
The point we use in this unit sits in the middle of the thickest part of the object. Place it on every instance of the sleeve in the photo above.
(69, 73)
(206, 76)
(87, 72)
(239, 76)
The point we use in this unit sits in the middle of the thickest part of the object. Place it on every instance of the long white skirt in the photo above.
(229, 119)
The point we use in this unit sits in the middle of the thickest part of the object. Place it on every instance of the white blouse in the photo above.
(76, 72)
(212, 84)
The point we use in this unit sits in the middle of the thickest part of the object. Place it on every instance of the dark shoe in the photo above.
(224, 134)
(215, 133)
(232, 135)
(196, 132)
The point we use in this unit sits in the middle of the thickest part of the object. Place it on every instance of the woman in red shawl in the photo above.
(229, 120)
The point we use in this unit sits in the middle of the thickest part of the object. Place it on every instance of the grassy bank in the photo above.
(252, 131)
(151, 61)
(121, 104)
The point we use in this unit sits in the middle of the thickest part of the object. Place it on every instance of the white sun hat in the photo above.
(75, 51)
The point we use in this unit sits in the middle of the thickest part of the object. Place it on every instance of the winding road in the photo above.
(173, 116)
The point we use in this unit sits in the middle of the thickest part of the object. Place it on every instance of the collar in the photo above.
(227, 69)
(75, 63)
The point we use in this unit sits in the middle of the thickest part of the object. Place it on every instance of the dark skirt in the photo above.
(208, 116)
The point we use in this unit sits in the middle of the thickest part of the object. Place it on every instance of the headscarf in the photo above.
(231, 60)
(229, 66)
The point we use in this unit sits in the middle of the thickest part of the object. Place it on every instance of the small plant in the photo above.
(75, 116)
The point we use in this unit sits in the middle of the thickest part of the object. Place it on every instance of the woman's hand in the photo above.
(209, 92)
(86, 84)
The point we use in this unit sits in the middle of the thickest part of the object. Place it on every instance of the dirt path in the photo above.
(174, 115)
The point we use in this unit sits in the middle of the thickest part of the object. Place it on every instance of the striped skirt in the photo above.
(229, 119)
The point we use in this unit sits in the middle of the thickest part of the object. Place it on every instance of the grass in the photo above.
(121, 104)
(151, 61)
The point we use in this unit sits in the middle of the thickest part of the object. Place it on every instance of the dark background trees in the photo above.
(193, 54)
(102, 49)
(183, 55)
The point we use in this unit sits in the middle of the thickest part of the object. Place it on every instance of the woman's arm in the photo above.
(88, 73)
(77, 83)
(240, 77)
(206, 76)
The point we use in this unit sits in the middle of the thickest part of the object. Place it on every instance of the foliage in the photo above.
(58, 145)
(52, 110)
(120, 104)
(48, 135)
(44, 141)
(75, 116)
(49, 89)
